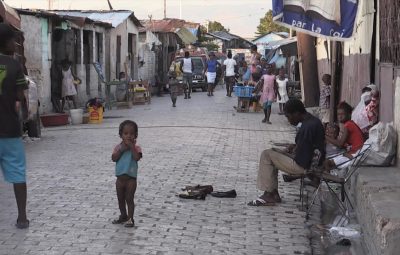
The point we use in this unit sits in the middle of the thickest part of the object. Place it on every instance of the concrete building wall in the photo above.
(37, 54)
(397, 112)
(148, 70)
(123, 31)
(91, 87)
(40, 56)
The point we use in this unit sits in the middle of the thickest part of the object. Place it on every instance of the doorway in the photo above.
(118, 57)
(132, 54)
(87, 56)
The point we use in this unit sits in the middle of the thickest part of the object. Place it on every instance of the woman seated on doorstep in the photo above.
(366, 113)
(351, 138)
(372, 110)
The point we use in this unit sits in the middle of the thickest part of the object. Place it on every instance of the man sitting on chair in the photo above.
(296, 158)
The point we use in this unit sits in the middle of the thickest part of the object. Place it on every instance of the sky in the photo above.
(240, 16)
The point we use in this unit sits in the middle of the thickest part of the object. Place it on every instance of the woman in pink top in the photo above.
(269, 93)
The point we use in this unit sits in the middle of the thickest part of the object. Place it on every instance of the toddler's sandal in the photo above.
(22, 225)
(120, 220)
(130, 224)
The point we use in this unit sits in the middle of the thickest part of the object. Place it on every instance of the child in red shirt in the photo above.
(351, 137)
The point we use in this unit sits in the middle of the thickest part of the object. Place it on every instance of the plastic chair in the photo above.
(350, 167)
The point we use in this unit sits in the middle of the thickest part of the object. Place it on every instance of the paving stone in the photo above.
(71, 186)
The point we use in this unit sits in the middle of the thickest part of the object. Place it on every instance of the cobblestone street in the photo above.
(72, 198)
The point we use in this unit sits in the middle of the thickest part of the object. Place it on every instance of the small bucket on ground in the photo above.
(76, 116)
(95, 115)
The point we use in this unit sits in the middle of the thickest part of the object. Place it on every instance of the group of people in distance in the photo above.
(270, 84)
(269, 87)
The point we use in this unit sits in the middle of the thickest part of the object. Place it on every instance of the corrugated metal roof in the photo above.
(271, 37)
(10, 15)
(78, 20)
(224, 35)
(280, 43)
(186, 36)
(164, 25)
(115, 18)
(227, 36)
(171, 26)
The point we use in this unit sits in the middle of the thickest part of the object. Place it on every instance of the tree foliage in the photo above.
(267, 26)
(216, 26)
(206, 42)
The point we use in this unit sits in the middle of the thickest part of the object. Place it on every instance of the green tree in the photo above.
(206, 41)
(216, 26)
(267, 26)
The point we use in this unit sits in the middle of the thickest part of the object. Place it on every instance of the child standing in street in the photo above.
(126, 155)
(12, 151)
(282, 82)
(269, 93)
(324, 98)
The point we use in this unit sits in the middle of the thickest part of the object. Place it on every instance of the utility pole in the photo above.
(109, 5)
(50, 2)
(180, 9)
(165, 9)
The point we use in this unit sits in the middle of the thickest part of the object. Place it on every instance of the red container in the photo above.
(56, 119)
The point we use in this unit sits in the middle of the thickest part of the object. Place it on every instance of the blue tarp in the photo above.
(332, 19)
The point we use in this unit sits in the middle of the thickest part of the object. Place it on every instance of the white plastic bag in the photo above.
(383, 140)
(359, 115)
(33, 98)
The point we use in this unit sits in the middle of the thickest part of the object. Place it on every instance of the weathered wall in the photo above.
(122, 30)
(41, 52)
(37, 57)
(91, 90)
(148, 70)
(355, 75)
(356, 66)
(397, 112)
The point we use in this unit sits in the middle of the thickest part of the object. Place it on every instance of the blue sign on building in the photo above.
(332, 19)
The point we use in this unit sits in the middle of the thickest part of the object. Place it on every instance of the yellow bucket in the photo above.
(95, 115)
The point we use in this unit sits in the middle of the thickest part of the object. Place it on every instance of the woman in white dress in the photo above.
(283, 96)
(68, 89)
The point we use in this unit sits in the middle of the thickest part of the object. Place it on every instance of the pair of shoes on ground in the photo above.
(129, 223)
(203, 188)
(196, 195)
(228, 194)
(197, 192)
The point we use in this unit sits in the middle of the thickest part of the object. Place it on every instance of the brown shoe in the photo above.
(207, 189)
